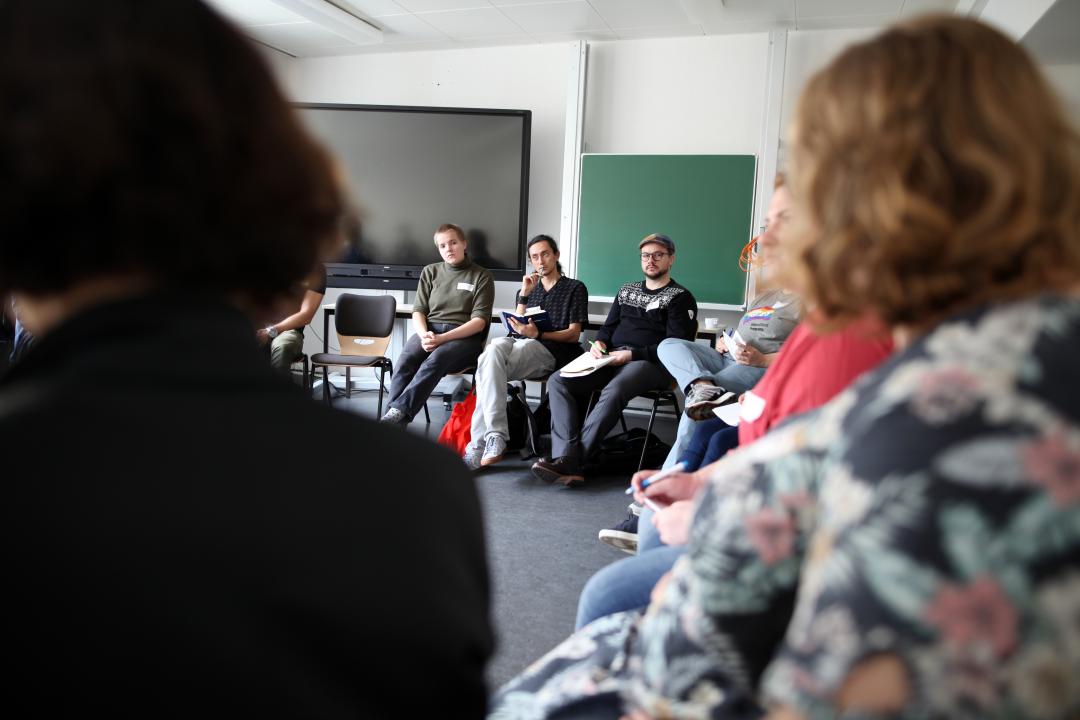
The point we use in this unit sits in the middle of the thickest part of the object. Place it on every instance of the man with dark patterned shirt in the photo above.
(643, 314)
(527, 353)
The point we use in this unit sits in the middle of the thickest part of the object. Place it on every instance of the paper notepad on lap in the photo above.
(732, 342)
(584, 364)
(728, 413)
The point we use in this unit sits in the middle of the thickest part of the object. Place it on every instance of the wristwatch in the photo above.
(271, 332)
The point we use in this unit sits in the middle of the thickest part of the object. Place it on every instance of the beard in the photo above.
(655, 273)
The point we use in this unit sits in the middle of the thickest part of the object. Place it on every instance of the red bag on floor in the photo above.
(457, 430)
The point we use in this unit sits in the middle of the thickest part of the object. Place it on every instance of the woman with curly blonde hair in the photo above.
(912, 548)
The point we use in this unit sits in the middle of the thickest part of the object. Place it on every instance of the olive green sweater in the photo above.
(455, 293)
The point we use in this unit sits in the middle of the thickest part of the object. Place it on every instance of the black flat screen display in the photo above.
(412, 169)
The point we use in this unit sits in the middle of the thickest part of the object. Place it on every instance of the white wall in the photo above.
(1066, 81)
(677, 95)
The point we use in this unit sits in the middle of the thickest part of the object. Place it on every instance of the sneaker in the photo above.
(703, 397)
(561, 470)
(634, 509)
(623, 535)
(473, 452)
(493, 450)
(393, 416)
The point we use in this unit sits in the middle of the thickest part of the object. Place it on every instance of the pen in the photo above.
(677, 467)
(592, 343)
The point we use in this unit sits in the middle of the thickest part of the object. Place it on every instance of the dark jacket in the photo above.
(185, 534)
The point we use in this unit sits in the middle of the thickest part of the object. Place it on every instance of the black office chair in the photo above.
(364, 324)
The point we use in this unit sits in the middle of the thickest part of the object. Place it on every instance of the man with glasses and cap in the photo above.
(644, 313)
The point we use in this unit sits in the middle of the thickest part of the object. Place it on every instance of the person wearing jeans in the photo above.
(703, 373)
(527, 353)
(451, 315)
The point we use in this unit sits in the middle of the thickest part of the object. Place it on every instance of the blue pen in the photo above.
(677, 467)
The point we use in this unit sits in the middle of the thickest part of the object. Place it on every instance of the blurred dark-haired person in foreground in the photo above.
(912, 548)
(163, 556)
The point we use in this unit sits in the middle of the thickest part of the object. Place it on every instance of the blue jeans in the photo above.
(689, 361)
(711, 441)
(626, 584)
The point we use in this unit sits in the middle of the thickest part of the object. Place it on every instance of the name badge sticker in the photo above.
(752, 406)
(654, 305)
(469, 287)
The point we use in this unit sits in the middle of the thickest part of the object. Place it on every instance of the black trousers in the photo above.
(417, 371)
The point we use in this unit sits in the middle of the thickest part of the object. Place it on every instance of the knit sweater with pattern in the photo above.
(641, 318)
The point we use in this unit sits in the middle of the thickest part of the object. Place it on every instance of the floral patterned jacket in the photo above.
(930, 513)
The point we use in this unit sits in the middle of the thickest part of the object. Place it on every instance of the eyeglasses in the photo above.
(654, 256)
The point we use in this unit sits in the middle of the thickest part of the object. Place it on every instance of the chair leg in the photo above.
(648, 431)
(382, 374)
(326, 384)
(306, 370)
(348, 382)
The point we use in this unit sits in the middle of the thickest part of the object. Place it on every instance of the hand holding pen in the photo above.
(666, 486)
(527, 284)
(597, 349)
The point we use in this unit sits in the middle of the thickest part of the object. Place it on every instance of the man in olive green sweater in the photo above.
(451, 315)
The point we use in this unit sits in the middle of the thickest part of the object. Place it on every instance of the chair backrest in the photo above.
(364, 323)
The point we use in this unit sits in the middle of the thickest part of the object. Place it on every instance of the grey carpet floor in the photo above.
(542, 544)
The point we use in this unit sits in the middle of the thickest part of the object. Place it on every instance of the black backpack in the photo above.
(620, 454)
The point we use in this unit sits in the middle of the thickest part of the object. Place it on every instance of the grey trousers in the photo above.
(417, 371)
(504, 359)
(568, 397)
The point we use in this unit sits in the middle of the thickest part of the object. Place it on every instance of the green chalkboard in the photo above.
(704, 203)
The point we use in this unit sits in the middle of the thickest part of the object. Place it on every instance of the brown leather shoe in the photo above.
(560, 470)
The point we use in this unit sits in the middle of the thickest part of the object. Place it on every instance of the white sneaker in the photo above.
(494, 449)
(393, 416)
(473, 451)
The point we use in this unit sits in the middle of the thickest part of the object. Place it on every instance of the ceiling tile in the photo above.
(841, 8)
(503, 3)
(747, 27)
(441, 5)
(497, 41)
(712, 12)
(254, 12)
(298, 39)
(919, 7)
(370, 8)
(659, 31)
(847, 21)
(444, 44)
(639, 13)
(591, 35)
(480, 22)
(407, 28)
(564, 17)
